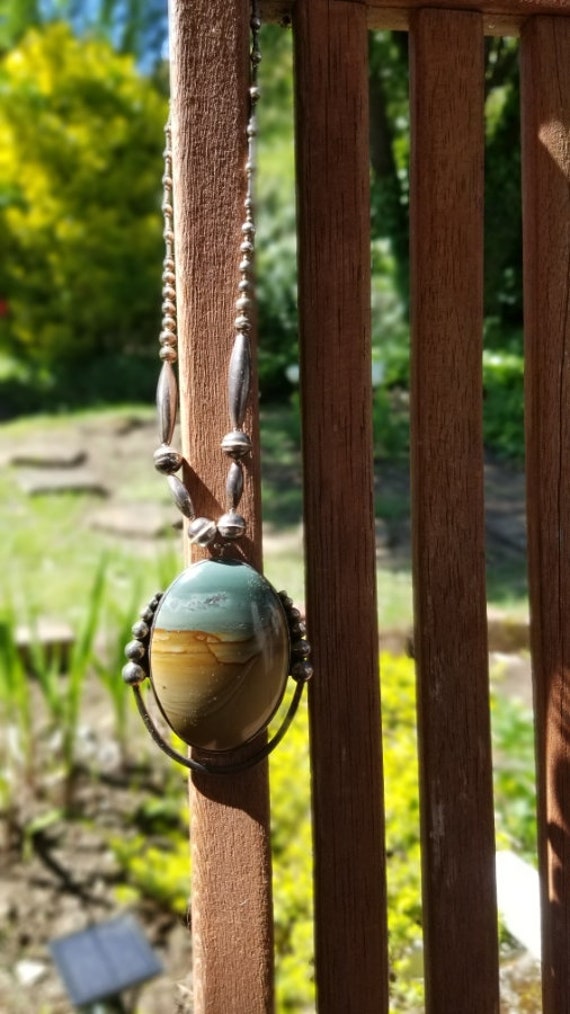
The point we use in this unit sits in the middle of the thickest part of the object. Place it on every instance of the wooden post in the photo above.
(334, 305)
(460, 920)
(546, 212)
(231, 874)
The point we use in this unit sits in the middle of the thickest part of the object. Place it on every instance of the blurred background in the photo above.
(92, 821)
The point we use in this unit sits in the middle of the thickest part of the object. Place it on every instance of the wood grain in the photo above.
(334, 308)
(500, 17)
(447, 143)
(546, 215)
(231, 875)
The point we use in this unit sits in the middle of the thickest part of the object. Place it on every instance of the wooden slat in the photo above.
(460, 922)
(334, 305)
(546, 212)
(231, 876)
(500, 17)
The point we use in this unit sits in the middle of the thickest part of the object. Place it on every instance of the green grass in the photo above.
(48, 555)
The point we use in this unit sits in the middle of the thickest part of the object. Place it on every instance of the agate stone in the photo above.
(219, 654)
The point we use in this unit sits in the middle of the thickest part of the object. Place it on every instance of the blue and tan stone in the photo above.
(219, 654)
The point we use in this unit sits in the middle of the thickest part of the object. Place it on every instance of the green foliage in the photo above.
(515, 778)
(276, 240)
(61, 691)
(503, 234)
(503, 412)
(292, 867)
(397, 675)
(161, 873)
(131, 26)
(17, 748)
(80, 167)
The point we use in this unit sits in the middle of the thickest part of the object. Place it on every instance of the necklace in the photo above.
(218, 646)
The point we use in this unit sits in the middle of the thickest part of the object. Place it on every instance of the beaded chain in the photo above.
(236, 444)
(202, 531)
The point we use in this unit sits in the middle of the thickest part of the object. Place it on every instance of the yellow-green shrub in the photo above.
(80, 226)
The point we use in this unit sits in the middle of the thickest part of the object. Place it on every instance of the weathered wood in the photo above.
(231, 875)
(500, 17)
(334, 306)
(546, 214)
(460, 921)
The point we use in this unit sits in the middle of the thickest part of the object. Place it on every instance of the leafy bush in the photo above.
(80, 168)
(292, 844)
(515, 780)
(503, 415)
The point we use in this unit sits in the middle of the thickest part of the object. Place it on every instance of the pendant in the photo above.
(219, 654)
(218, 647)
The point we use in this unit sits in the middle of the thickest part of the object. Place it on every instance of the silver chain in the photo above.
(236, 444)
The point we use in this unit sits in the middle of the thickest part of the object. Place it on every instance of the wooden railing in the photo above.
(231, 915)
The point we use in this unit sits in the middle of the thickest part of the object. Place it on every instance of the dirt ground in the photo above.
(62, 877)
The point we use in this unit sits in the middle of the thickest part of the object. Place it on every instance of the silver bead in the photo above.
(169, 292)
(245, 285)
(181, 497)
(167, 459)
(245, 265)
(242, 323)
(248, 228)
(247, 247)
(168, 338)
(168, 307)
(254, 93)
(302, 671)
(236, 444)
(301, 649)
(239, 379)
(147, 615)
(166, 403)
(140, 630)
(133, 674)
(231, 525)
(243, 303)
(202, 531)
(234, 484)
(135, 650)
(169, 324)
(168, 354)
(168, 264)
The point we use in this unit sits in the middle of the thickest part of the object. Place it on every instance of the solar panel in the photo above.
(103, 960)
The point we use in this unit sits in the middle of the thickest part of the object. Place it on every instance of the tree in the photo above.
(80, 168)
(390, 131)
(131, 26)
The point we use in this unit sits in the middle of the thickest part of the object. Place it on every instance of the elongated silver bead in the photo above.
(166, 403)
(181, 497)
(234, 484)
(239, 379)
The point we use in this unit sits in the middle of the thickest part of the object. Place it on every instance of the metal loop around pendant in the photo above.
(233, 767)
